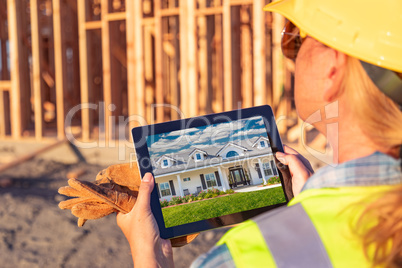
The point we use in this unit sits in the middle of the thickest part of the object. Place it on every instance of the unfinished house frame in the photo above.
(94, 69)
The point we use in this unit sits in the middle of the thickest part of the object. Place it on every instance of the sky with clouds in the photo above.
(217, 135)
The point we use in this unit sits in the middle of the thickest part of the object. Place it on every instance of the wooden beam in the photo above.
(159, 75)
(243, 2)
(106, 65)
(203, 59)
(246, 57)
(209, 11)
(277, 59)
(227, 57)
(184, 94)
(36, 69)
(259, 53)
(86, 120)
(115, 16)
(3, 113)
(59, 57)
(19, 72)
(92, 25)
(168, 12)
(135, 62)
(5, 85)
(192, 60)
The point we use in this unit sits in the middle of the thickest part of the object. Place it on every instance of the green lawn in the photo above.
(218, 206)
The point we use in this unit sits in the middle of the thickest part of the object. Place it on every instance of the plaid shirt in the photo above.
(375, 169)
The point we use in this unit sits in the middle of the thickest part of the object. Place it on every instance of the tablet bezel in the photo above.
(143, 160)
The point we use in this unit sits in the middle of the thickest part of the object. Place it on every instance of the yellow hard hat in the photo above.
(365, 29)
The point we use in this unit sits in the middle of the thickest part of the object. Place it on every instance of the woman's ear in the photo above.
(334, 75)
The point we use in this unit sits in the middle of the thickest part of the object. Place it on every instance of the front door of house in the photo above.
(238, 175)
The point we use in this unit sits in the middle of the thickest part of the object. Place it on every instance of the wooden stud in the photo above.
(86, 118)
(107, 81)
(19, 72)
(217, 80)
(92, 25)
(36, 69)
(59, 68)
(246, 58)
(192, 81)
(277, 59)
(159, 75)
(227, 56)
(202, 59)
(259, 53)
(170, 12)
(115, 16)
(184, 94)
(135, 61)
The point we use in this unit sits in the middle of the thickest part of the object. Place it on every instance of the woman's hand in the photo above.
(300, 168)
(141, 230)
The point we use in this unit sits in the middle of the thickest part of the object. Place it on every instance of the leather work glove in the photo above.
(115, 189)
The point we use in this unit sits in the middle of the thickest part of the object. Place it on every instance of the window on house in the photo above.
(186, 179)
(198, 156)
(262, 144)
(165, 163)
(267, 169)
(231, 154)
(210, 179)
(165, 189)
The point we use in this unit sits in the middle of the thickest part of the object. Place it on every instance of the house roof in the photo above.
(197, 150)
(259, 139)
(212, 157)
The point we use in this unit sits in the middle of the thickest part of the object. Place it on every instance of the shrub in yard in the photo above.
(188, 198)
(230, 191)
(202, 194)
(164, 203)
(274, 180)
(176, 200)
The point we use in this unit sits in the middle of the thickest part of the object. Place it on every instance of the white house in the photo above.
(232, 165)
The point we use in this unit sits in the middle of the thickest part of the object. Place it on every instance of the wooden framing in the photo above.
(201, 56)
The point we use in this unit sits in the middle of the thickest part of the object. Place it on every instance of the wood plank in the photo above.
(36, 69)
(5, 85)
(209, 11)
(168, 12)
(59, 68)
(244, 2)
(135, 65)
(246, 59)
(159, 75)
(192, 60)
(259, 53)
(203, 59)
(3, 114)
(107, 81)
(91, 25)
(115, 16)
(227, 57)
(277, 59)
(217, 105)
(86, 121)
(184, 94)
(18, 70)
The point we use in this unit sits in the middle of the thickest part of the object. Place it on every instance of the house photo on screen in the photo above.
(234, 156)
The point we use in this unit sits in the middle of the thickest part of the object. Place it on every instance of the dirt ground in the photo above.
(34, 232)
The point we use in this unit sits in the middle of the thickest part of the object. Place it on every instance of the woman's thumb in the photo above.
(144, 193)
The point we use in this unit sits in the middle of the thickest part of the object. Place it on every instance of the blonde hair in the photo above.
(384, 239)
(381, 120)
(379, 117)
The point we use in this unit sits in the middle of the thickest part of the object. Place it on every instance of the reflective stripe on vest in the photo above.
(294, 224)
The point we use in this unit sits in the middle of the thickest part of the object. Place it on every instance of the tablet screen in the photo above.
(213, 170)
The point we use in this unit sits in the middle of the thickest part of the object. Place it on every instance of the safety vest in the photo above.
(316, 229)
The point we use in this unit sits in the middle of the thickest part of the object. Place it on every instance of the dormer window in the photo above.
(165, 163)
(262, 144)
(231, 154)
(198, 156)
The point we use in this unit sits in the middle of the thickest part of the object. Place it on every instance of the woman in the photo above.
(343, 216)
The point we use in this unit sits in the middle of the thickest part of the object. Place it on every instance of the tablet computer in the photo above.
(211, 171)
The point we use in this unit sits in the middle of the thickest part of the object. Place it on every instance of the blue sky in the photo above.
(216, 135)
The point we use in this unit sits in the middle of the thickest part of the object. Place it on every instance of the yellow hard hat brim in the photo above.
(351, 27)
